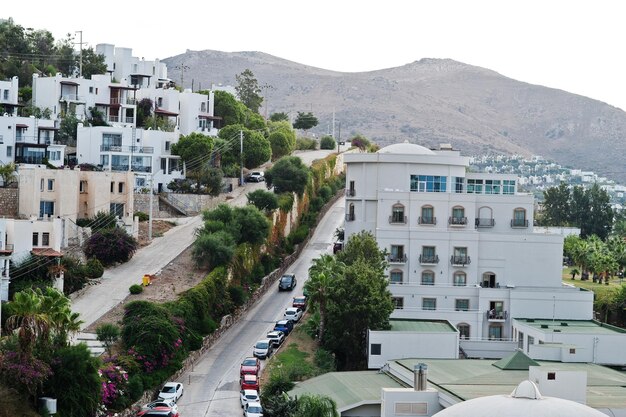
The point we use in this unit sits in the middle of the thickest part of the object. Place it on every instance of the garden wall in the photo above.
(9, 198)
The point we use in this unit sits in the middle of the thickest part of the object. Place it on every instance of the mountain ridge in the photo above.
(429, 101)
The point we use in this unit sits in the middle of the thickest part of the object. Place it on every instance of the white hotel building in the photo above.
(461, 245)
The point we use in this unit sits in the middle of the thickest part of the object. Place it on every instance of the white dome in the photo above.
(406, 148)
(524, 401)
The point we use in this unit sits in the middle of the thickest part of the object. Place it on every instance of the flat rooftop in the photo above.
(427, 326)
(472, 378)
(571, 326)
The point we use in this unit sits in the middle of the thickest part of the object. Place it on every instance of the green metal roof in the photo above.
(473, 378)
(516, 361)
(571, 326)
(347, 388)
(426, 326)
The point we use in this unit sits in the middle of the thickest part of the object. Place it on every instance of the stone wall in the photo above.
(9, 198)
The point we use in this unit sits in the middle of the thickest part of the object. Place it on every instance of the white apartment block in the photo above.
(138, 72)
(146, 153)
(27, 140)
(461, 245)
(64, 95)
(9, 92)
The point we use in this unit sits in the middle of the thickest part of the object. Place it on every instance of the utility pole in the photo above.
(241, 154)
(333, 123)
(80, 67)
(150, 212)
(182, 67)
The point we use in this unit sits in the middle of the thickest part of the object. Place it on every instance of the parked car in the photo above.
(287, 282)
(248, 381)
(262, 349)
(158, 412)
(158, 403)
(293, 313)
(276, 337)
(248, 396)
(250, 366)
(300, 302)
(285, 326)
(171, 391)
(253, 410)
(256, 176)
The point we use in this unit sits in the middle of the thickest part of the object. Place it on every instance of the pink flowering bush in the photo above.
(114, 380)
(26, 373)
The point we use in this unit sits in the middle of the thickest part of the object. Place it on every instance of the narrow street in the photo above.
(212, 386)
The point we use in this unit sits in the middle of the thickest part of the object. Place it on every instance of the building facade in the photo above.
(29, 140)
(461, 245)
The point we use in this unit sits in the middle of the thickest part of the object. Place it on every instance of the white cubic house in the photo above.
(29, 140)
(461, 245)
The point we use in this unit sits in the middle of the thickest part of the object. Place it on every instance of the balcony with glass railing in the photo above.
(127, 149)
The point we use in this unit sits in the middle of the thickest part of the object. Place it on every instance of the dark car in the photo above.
(287, 282)
(285, 326)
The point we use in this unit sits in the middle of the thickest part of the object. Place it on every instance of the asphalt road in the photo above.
(212, 386)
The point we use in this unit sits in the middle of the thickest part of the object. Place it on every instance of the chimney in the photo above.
(420, 372)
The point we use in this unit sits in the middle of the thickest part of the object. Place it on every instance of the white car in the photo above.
(161, 403)
(253, 410)
(171, 391)
(248, 396)
(276, 337)
(262, 349)
(293, 313)
(256, 176)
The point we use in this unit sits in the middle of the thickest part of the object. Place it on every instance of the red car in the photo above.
(250, 366)
(299, 302)
(158, 411)
(249, 381)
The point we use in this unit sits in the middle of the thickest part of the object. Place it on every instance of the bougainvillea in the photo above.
(114, 381)
(26, 372)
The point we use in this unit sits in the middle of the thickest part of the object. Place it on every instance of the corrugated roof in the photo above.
(429, 326)
(347, 388)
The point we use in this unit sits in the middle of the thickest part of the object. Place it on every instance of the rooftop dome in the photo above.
(524, 401)
(406, 148)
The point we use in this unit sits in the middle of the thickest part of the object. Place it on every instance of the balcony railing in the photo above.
(497, 315)
(7, 247)
(130, 120)
(71, 97)
(114, 119)
(460, 260)
(141, 168)
(29, 159)
(349, 217)
(121, 100)
(119, 167)
(457, 221)
(519, 223)
(427, 220)
(480, 222)
(396, 219)
(429, 259)
(351, 192)
(397, 259)
(127, 149)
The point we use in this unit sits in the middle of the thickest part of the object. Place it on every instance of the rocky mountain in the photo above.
(428, 102)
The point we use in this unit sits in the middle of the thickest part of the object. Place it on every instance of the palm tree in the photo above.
(63, 321)
(322, 273)
(316, 406)
(28, 319)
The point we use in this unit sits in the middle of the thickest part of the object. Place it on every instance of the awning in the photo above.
(48, 128)
(69, 83)
(48, 252)
(122, 87)
(21, 126)
(165, 112)
(208, 116)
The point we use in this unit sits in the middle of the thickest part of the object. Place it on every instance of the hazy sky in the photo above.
(572, 45)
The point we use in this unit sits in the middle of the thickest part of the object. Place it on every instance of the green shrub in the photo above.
(325, 361)
(298, 235)
(263, 200)
(285, 202)
(135, 387)
(213, 249)
(237, 294)
(108, 333)
(306, 144)
(327, 142)
(93, 268)
(325, 193)
(135, 289)
(143, 217)
(316, 204)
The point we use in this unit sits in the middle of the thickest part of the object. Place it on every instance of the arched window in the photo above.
(485, 217)
(464, 330)
(427, 215)
(460, 279)
(350, 215)
(458, 216)
(395, 276)
(519, 218)
(428, 278)
(397, 214)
